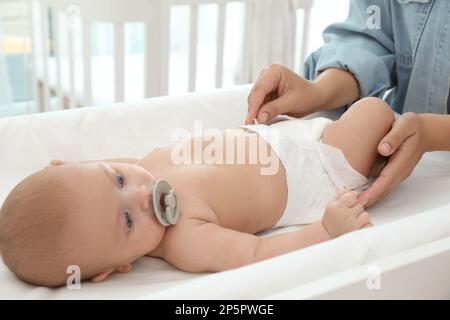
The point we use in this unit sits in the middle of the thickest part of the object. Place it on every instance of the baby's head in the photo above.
(95, 215)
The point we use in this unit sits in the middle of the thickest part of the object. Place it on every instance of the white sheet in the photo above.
(416, 213)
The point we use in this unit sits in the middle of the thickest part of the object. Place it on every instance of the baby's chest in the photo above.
(194, 207)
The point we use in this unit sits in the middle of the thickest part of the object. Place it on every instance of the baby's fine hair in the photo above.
(34, 219)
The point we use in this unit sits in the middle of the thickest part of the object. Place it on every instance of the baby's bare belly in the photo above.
(217, 187)
(242, 198)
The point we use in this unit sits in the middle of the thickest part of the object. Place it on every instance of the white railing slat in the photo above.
(165, 48)
(87, 63)
(45, 85)
(246, 52)
(305, 32)
(119, 57)
(149, 56)
(57, 47)
(193, 47)
(71, 48)
(32, 5)
(220, 44)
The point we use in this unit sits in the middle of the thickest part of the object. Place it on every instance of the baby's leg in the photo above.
(358, 132)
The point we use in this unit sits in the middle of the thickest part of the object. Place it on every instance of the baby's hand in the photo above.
(345, 214)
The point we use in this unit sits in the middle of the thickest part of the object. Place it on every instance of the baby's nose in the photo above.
(143, 197)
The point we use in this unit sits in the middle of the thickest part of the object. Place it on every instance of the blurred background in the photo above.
(59, 54)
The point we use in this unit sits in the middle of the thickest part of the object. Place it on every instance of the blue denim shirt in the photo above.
(409, 53)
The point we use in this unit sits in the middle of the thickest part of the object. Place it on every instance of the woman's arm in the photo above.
(354, 62)
(338, 88)
(280, 90)
(367, 53)
(436, 131)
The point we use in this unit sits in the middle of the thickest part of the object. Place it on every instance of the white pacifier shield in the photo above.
(170, 213)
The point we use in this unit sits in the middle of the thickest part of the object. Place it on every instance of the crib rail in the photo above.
(156, 16)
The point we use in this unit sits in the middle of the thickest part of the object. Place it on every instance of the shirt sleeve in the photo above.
(368, 53)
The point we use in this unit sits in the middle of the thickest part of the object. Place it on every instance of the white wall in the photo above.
(324, 13)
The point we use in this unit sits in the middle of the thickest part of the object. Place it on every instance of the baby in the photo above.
(201, 217)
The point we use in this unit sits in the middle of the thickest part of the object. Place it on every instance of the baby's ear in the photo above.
(124, 268)
(102, 276)
(57, 162)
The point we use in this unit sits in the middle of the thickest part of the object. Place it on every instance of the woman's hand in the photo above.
(405, 144)
(279, 90)
(345, 214)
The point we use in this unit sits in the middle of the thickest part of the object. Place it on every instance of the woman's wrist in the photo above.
(335, 88)
(426, 133)
(436, 131)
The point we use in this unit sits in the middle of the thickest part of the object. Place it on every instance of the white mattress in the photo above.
(416, 215)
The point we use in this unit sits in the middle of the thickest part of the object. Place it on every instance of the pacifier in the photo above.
(165, 203)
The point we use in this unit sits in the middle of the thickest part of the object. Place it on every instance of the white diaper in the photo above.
(315, 171)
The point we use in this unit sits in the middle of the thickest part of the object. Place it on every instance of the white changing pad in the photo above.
(416, 213)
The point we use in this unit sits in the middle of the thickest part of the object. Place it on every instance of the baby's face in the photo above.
(115, 221)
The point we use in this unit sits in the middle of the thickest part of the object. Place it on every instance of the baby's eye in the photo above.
(120, 180)
(128, 220)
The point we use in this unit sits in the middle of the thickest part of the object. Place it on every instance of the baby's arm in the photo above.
(199, 246)
(122, 160)
(208, 247)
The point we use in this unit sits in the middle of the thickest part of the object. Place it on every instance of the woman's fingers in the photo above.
(399, 167)
(266, 84)
(378, 166)
(383, 185)
(402, 128)
(406, 149)
(280, 90)
(275, 107)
